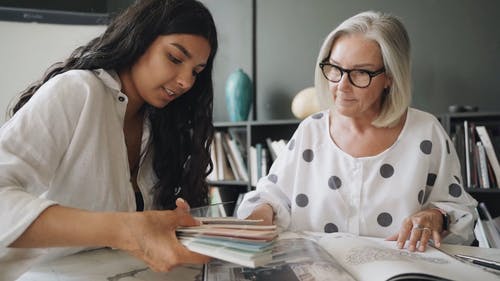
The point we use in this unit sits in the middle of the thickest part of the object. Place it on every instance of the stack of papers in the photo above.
(243, 242)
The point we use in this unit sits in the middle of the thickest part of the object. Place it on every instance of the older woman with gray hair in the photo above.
(368, 164)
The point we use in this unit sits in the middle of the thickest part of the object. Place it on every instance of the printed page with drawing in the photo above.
(341, 256)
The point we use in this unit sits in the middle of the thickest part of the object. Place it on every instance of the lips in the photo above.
(169, 92)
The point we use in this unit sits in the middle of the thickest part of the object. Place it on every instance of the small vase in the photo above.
(238, 96)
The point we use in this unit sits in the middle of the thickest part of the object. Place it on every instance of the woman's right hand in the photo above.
(150, 236)
(263, 212)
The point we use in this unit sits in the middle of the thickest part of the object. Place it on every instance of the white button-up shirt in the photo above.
(65, 146)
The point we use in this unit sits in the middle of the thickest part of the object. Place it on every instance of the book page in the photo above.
(294, 258)
(373, 259)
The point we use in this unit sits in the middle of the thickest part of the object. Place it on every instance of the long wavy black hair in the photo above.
(181, 132)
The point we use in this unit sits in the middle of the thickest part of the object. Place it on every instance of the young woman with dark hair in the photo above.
(124, 124)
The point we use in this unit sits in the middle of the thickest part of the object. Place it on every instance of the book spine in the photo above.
(490, 150)
(237, 157)
(483, 168)
(467, 153)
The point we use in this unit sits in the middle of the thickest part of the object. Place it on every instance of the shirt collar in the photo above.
(110, 78)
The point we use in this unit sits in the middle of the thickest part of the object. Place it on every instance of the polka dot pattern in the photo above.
(426, 147)
(421, 197)
(386, 171)
(330, 228)
(334, 182)
(455, 190)
(318, 115)
(308, 155)
(431, 179)
(384, 219)
(273, 178)
(302, 200)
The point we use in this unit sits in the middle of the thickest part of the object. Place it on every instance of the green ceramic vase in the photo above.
(238, 95)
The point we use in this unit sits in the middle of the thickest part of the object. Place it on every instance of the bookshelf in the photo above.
(248, 134)
(453, 123)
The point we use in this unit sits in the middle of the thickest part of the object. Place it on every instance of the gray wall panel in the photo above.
(233, 19)
(455, 49)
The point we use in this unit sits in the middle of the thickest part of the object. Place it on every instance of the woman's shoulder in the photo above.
(91, 78)
(421, 122)
(418, 116)
(315, 121)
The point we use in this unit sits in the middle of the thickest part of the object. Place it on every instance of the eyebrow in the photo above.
(356, 66)
(185, 52)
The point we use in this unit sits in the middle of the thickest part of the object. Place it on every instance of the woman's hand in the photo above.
(419, 228)
(150, 236)
(263, 212)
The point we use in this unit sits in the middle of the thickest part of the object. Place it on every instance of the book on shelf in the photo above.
(224, 172)
(238, 135)
(275, 147)
(243, 242)
(258, 162)
(467, 153)
(346, 257)
(484, 179)
(216, 204)
(230, 160)
(458, 139)
(490, 150)
(254, 167)
(232, 152)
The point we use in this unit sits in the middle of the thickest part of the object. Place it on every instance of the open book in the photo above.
(346, 257)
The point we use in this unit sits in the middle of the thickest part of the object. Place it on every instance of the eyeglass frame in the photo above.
(371, 74)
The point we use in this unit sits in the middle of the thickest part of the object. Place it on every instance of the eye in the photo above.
(174, 59)
(195, 74)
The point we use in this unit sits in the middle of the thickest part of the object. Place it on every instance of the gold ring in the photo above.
(426, 228)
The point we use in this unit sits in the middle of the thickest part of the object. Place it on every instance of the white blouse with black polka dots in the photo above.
(314, 185)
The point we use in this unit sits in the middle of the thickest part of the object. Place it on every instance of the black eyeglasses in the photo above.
(360, 78)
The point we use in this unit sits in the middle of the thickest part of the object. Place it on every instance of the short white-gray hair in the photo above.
(391, 36)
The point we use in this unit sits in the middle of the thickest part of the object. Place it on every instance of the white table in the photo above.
(116, 265)
(106, 265)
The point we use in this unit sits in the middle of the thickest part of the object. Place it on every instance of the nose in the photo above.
(185, 80)
(344, 82)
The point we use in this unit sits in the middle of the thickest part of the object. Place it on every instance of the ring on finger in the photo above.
(417, 227)
(427, 229)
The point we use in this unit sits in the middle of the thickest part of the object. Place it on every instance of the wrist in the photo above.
(445, 218)
(123, 237)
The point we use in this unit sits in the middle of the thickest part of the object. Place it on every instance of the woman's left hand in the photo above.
(418, 229)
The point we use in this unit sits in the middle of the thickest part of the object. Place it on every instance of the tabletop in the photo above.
(106, 265)
(116, 265)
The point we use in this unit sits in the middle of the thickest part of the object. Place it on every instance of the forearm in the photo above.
(60, 226)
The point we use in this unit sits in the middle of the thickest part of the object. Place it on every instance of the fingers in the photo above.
(436, 236)
(185, 218)
(415, 237)
(404, 233)
(424, 238)
(419, 229)
(182, 204)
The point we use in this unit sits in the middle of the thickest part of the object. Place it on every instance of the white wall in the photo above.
(28, 49)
